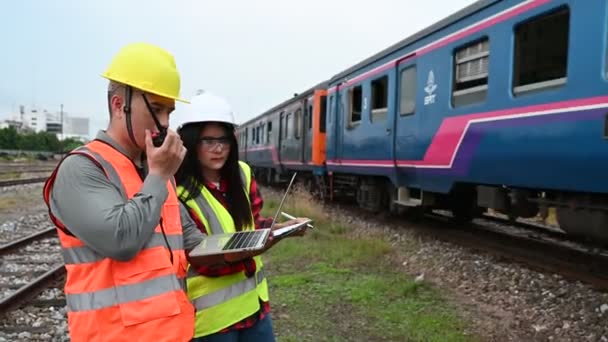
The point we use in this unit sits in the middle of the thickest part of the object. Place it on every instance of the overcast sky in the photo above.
(254, 53)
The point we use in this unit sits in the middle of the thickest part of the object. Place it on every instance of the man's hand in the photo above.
(164, 161)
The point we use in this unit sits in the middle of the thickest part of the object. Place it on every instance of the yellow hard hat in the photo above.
(146, 67)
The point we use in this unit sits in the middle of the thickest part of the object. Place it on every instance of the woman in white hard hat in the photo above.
(229, 292)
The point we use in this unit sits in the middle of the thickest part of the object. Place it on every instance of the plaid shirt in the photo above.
(248, 265)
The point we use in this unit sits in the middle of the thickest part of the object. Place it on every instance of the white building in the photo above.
(63, 124)
(76, 127)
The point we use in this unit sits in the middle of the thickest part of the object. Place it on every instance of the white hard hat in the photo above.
(204, 107)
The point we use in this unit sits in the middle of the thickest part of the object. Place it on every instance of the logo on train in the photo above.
(430, 89)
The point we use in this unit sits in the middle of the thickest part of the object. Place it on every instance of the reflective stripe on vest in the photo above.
(121, 294)
(229, 292)
(213, 221)
(83, 255)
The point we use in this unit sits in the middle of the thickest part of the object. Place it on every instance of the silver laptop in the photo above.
(243, 241)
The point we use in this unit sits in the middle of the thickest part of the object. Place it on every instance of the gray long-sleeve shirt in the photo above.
(94, 210)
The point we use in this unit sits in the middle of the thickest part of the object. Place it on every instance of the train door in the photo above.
(245, 145)
(380, 110)
(299, 134)
(319, 124)
(339, 127)
(406, 121)
(307, 125)
(334, 127)
(281, 136)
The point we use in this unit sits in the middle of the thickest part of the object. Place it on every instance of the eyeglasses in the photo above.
(209, 143)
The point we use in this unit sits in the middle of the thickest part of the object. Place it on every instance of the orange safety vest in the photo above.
(142, 299)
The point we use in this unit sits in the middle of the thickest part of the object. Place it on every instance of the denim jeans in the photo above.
(260, 332)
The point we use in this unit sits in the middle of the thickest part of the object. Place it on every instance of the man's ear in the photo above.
(117, 104)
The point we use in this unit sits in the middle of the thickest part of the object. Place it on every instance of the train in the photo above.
(502, 105)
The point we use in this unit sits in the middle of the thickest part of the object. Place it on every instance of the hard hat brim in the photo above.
(146, 90)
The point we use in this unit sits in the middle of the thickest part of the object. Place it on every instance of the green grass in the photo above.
(330, 286)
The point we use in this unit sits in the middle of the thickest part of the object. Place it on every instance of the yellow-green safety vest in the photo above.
(222, 301)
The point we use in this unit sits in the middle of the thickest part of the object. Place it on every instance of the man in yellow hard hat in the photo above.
(123, 233)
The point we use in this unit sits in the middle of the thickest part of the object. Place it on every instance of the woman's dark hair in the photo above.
(190, 174)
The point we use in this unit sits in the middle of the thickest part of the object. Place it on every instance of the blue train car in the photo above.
(288, 137)
(502, 105)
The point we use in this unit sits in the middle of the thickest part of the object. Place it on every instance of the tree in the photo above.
(10, 139)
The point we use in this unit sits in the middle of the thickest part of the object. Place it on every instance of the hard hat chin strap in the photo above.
(157, 138)
(127, 110)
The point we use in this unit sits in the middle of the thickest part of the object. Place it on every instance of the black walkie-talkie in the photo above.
(159, 137)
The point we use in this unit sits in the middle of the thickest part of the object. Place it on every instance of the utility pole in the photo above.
(61, 143)
(61, 114)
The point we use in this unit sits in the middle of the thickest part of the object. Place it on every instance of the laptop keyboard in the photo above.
(243, 240)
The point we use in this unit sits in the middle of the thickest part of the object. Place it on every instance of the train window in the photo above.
(262, 136)
(297, 123)
(355, 98)
(541, 53)
(310, 117)
(323, 115)
(268, 131)
(407, 104)
(331, 108)
(288, 126)
(471, 66)
(379, 99)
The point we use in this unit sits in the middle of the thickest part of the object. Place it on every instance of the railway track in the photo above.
(43, 318)
(545, 249)
(527, 244)
(25, 170)
(12, 182)
(32, 274)
(29, 265)
(542, 251)
(8, 247)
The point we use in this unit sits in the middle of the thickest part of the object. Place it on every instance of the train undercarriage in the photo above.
(582, 216)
